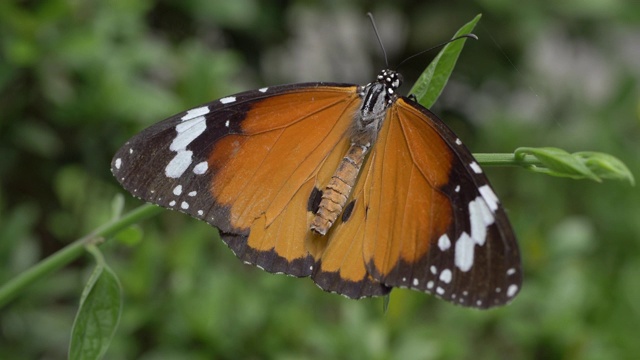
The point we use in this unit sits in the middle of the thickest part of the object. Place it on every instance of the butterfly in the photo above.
(354, 186)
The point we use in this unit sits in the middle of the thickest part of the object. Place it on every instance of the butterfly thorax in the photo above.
(377, 97)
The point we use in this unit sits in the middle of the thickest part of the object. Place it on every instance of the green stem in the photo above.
(72, 251)
(508, 159)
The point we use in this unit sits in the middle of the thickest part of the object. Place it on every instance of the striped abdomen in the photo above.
(337, 191)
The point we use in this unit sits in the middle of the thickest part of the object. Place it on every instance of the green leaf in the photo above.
(557, 162)
(130, 236)
(606, 166)
(430, 84)
(99, 312)
(580, 165)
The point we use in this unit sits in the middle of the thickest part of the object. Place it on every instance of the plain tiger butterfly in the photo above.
(359, 188)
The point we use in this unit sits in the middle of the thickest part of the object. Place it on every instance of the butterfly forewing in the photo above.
(241, 162)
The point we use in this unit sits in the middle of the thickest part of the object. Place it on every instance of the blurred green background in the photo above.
(78, 78)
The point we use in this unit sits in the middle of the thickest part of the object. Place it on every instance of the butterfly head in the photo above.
(391, 80)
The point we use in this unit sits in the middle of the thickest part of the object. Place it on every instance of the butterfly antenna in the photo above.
(375, 30)
(469, 36)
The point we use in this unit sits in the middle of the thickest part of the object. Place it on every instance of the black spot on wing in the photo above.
(348, 210)
(314, 200)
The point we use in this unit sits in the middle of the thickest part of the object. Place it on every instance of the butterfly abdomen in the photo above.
(337, 191)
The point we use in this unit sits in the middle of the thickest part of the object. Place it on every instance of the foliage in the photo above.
(78, 78)
(99, 312)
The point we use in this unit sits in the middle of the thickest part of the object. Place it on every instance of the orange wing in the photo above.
(433, 222)
(251, 165)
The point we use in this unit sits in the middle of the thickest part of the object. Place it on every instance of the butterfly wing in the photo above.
(247, 165)
(433, 223)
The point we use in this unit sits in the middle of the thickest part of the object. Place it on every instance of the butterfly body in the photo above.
(377, 97)
(359, 188)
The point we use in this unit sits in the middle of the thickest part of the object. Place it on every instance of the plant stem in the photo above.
(72, 251)
(506, 159)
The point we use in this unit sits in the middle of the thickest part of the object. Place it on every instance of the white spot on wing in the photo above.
(228, 99)
(118, 163)
(430, 285)
(458, 141)
(184, 205)
(226, 123)
(444, 243)
(457, 189)
(415, 282)
(511, 271)
(200, 168)
(512, 290)
(200, 212)
(480, 217)
(440, 290)
(464, 252)
(194, 113)
(489, 196)
(263, 90)
(476, 168)
(187, 132)
(434, 270)
(179, 164)
(193, 193)
(446, 276)
(173, 202)
(177, 190)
